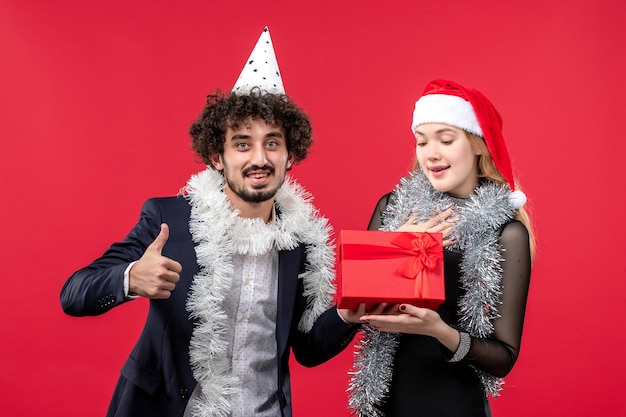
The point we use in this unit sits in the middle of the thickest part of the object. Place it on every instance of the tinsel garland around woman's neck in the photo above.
(476, 234)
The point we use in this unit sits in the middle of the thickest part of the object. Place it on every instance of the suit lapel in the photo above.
(288, 269)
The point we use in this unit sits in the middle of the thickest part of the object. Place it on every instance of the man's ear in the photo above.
(216, 161)
(290, 161)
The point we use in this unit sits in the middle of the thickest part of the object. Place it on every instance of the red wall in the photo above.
(96, 99)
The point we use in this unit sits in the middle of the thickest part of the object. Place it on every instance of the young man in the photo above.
(238, 270)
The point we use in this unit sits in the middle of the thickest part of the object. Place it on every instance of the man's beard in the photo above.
(253, 196)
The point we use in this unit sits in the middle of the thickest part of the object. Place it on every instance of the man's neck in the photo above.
(248, 210)
(263, 210)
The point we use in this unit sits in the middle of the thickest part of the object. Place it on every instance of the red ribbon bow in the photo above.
(426, 253)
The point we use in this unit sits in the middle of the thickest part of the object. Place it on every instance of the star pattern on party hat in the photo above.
(261, 69)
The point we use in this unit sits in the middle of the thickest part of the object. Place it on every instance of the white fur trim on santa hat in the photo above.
(447, 109)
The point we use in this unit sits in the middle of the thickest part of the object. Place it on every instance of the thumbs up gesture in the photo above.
(154, 275)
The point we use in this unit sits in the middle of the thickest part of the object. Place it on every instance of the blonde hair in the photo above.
(487, 169)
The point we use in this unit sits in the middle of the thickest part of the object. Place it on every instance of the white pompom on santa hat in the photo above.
(451, 103)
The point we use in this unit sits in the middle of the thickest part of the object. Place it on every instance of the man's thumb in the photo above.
(161, 239)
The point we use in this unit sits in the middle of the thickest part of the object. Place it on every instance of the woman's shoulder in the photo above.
(384, 199)
(512, 232)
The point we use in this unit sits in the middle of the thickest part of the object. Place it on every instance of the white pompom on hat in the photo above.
(451, 103)
(261, 69)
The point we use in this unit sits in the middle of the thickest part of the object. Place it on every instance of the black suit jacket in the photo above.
(156, 379)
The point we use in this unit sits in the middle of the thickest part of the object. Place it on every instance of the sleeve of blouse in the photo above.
(497, 354)
(376, 220)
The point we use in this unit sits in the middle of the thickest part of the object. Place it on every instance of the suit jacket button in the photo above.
(184, 393)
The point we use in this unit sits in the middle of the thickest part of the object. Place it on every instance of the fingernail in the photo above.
(402, 307)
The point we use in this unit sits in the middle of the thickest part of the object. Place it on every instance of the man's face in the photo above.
(254, 163)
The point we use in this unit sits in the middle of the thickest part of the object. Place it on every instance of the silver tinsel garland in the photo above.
(476, 234)
(219, 232)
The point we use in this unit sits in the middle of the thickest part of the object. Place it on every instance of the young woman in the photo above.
(419, 362)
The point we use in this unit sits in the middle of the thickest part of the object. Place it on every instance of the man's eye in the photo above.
(241, 145)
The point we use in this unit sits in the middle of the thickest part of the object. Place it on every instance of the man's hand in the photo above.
(154, 275)
(354, 316)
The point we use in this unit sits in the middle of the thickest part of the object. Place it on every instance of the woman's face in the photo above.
(447, 157)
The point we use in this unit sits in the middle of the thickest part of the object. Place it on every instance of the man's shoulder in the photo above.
(169, 201)
(173, 205)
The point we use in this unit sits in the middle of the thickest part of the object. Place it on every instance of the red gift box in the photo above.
(390, 267)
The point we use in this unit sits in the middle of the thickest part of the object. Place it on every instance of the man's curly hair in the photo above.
(223, 111)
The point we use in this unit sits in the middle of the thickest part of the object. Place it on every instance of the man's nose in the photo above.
(259, 156)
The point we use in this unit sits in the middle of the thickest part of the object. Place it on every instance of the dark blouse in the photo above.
(424, 383)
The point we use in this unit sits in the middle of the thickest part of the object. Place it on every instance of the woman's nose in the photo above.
(433, 152)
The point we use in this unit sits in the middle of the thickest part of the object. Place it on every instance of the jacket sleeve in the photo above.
(98, 287)
(329, 336)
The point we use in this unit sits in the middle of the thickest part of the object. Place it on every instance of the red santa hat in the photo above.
(451, 103)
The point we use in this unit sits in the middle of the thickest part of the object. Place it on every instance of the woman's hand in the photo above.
(405, 319)
(441, 223)
(415, 320)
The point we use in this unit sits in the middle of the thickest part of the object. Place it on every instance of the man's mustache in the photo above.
(257, 168)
